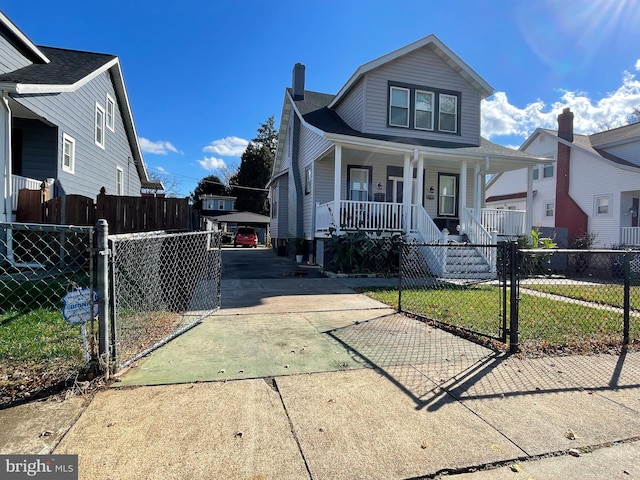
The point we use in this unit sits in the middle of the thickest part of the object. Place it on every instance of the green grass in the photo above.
(40, 335)
(543, 322)
(606, 294)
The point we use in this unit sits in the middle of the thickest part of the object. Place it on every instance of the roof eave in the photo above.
(23, 38)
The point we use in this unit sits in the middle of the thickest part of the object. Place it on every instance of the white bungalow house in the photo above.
(397, 149)
(65, 119)
(593, 186)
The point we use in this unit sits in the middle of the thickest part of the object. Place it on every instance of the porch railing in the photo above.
(478, 234)
(630, 236)
(354, 215)
(423, 224)
(19, 183)
(510, 223)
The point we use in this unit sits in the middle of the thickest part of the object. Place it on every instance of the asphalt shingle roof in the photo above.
(313, 109)
(66, 67)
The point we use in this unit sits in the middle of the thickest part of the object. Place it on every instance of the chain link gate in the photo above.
(460, 287)
(162, 284)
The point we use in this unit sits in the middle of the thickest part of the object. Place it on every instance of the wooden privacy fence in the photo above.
(123, 214)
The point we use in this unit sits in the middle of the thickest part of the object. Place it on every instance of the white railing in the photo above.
(354, 215)
(511, 223)
(479, 235)
(423, 224)
(630, 236)
(19, 183)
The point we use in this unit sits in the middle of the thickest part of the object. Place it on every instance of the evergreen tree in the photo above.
(209, 185)
(249, 182)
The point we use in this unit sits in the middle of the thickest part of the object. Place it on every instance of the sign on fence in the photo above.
(76, 308)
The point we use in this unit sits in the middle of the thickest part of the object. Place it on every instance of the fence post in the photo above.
(513, 313)
(102, 229)
(402, 247)
(627, 300)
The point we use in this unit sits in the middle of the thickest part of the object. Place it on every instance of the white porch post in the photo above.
(407, 175)
(420, 182)
(6, 208)
(337, 182)
(463, 187)
(529, 207)
(477, 190)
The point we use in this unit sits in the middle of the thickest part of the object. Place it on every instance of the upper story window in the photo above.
(220, 204)
(399, 107)
(99, 126)
(111, 112)
(547, 171)
(423, 108)
(68, 153)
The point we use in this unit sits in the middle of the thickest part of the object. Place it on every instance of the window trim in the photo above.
(308, 177)
(456, 195)
(440, 113)
(120, 183)
(110, 116)
(546, 205)
(596, 205)
(369, 182)
(437, 92)
(72, 157)
(415, 112)
(391, 106)
(99, 125)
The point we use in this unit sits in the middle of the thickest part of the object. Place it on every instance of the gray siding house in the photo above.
(397, 150)
(65, 119)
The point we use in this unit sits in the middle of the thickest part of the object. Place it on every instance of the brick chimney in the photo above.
(297, 83)
(568, 213)
(565, 125)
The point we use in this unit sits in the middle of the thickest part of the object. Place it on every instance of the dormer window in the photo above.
(423, 108)
(399, 107)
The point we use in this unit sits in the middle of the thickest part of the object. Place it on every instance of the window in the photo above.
(307, 181)
(448, 189)
(358, 183)
(448, 113)
(424, 110)
(536, 172)
(274, 209)
(602, 205)
(547, 171)
(68, 153)
(111, 112)
(549, 208)
(119, 181)
(399, 107)
(99, 134)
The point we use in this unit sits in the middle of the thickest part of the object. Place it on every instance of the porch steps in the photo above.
(465, 262)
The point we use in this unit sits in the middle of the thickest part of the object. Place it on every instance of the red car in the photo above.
(246, 237)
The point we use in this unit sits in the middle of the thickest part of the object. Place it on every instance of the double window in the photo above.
(424, 108)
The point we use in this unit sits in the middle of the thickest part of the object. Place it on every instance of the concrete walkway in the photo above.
(302, 378)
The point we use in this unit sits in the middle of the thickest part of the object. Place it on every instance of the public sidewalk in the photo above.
(301, 378)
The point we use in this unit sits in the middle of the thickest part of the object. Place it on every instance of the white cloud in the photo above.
(212, 163)
(158, 148)
(161, 169)
(500, 118)
(638, 64)
(228, 146)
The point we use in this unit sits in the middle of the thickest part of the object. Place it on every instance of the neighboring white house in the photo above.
(64, 116)
(397, 149)
(593, 186)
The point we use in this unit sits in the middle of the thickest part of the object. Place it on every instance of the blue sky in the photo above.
(202, 75)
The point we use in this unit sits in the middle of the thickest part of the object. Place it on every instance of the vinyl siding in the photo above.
(422, 68)
(10, 59)
(629, 152)
(351, 109)
(311, 146)
(74, 113)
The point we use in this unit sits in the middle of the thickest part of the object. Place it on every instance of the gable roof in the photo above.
(439, 48)
(57, 70)
(616, 135)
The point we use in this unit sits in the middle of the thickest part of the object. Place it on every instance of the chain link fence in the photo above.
(562, 301)
(578, 301)
(162, 285)
(456, 286)
(40, 266)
